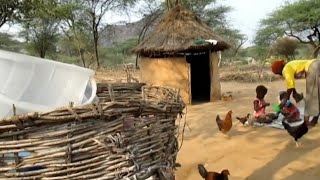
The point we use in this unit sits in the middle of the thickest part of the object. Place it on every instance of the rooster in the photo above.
(243, 120)
(226, 124)
(296, 131)
(213, 175)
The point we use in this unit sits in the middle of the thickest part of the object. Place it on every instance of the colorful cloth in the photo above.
(291, 108)
(262, 109)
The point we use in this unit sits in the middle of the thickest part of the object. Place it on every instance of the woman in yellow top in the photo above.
(296, 69)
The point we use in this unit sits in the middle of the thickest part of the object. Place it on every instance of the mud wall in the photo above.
(172, 71)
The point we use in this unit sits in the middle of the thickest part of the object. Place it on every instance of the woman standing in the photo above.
(294, 70)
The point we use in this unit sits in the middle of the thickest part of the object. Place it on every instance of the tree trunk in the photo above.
(42, 52)
(95, 41)
(238, 47)
(316, 52)
(81, 56)
(95, 38)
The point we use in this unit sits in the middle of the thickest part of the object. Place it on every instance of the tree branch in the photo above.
(297, 37)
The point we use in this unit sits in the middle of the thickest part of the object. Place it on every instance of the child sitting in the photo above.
(260, 105)
(290, 112)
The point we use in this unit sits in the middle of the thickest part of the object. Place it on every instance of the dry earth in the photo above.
(260, 153)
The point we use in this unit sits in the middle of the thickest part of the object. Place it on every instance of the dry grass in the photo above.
(114, 75)
(177, 32)
(246, 73)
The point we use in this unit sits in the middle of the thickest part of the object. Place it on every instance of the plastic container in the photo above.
(276, 108)
(34, 84)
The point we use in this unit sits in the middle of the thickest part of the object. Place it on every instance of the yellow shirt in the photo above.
(294, 67)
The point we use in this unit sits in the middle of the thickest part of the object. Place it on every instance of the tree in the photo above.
(78, 35)
(11, 10)
(7, 42)
(234, 37)
(95, 11)
(286, 47)
(150, 11)
(210, 12)
(41, 26)
(299, 19)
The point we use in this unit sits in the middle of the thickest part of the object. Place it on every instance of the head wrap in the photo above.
(277, 66)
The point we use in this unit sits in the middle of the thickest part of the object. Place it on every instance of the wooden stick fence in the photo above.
(129, 134)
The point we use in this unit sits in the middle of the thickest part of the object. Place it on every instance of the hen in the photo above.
(296, 131)
(226, 124)
(213, 175)
(243, 120)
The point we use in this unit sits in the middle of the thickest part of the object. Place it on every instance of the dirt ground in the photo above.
(251, 153)
(260, 153)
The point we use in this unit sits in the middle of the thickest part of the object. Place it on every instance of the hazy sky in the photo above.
(245, 16)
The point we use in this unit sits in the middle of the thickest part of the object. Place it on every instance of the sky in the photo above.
(245, 16)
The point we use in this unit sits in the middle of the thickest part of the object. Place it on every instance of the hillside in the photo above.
(120, 33)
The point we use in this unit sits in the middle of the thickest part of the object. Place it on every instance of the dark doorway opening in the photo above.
(200, 77)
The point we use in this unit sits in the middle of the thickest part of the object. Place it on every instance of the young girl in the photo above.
(290, 112)
(259, 105)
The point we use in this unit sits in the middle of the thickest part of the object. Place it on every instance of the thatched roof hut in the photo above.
(177, 54)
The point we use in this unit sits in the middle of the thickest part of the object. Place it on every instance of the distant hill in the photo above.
(123, 31)
(120, 33)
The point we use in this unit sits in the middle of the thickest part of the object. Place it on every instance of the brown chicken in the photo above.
(243, 120)
(213, 175)
(226, 124)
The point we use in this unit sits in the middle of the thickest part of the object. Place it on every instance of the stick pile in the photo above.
(130, 134)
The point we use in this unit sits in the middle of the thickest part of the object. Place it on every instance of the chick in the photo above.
(243, 120)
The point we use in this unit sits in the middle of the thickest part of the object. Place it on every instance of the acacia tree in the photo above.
(78, 35)
(40, 27)
(7, 42)
(150, 12)
(95, 11)
(286, 47)
(11, 10)
(299, 20)
(234, 37)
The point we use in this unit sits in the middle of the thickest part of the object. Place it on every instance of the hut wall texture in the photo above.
(215, 91)
(172, 71)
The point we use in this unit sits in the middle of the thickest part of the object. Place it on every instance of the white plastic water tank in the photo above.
(36, 84)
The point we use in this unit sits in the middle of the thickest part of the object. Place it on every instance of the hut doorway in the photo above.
(200, 76)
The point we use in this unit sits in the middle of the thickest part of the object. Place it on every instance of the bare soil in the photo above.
(260, 153)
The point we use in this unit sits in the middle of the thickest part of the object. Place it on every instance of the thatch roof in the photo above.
(180, 31)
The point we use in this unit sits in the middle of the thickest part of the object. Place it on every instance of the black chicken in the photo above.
(296, 131)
